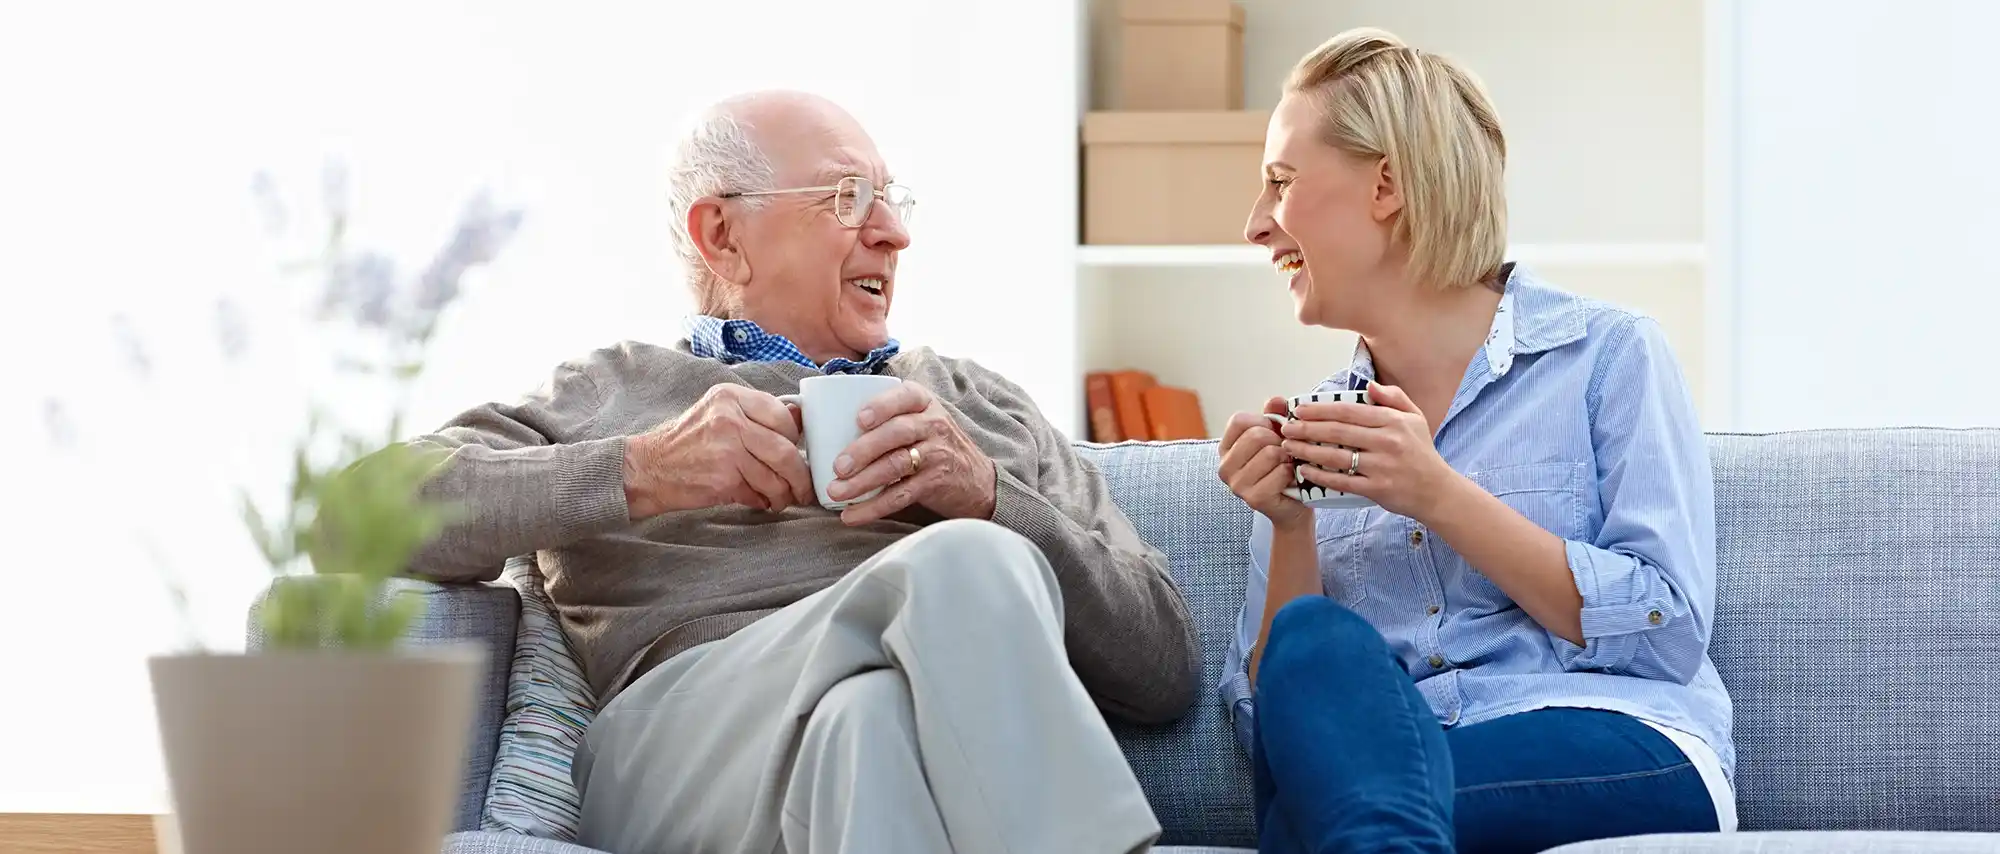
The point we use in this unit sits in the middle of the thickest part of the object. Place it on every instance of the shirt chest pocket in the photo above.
(1338, 539)
(1548, 494)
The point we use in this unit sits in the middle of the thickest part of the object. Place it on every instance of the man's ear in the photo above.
(1388, 199)
(718, 240)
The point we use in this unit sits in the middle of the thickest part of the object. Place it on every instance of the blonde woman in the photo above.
(1509, 652)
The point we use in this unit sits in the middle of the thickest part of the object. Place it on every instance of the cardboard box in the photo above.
(1171, 177)
(1180, 55)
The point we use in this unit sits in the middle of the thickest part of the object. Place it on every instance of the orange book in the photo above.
(1126, 390)
(1102, 407)
(1173, 413)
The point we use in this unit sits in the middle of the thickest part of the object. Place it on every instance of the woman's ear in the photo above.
(1388, 200)
(718, 240)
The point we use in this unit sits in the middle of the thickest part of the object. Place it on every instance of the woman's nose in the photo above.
(1258, 229)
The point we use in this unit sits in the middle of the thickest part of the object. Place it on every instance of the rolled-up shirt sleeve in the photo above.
(1648, 577)
(1235, 687)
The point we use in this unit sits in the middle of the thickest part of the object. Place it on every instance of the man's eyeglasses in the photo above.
(853, 198)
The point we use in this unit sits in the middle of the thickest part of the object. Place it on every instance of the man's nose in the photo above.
(884, 229)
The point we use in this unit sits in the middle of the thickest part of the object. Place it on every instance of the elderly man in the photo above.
(922, 671)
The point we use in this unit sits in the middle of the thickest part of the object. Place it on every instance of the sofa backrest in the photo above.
(1194, 775)
(1858, 628)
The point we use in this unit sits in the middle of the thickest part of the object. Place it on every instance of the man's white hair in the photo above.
(716, 155)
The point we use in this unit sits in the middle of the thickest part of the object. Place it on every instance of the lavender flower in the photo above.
(270, 206)
(482, 232)
(232, 331)
(56, 420)
(333, 190)
(360, 288)
(375, 288)
(133, 346)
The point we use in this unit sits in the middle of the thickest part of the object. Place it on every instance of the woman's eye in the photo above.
(1278, 184)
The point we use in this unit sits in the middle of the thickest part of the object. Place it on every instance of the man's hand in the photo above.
(954, 478)
(736, 445)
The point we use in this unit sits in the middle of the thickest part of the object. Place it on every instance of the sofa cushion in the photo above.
(1848, 842)
(1193, 773)
(1858, 626)
(549, 706)
(487, 842)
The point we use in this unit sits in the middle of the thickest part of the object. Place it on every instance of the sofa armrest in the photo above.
(483, 614)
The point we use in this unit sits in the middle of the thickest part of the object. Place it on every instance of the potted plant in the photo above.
(332, 733)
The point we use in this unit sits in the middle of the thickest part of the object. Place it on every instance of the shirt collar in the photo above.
(738, 340)
(1532, 318)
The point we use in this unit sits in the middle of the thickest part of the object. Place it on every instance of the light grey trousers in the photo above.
(923, 703)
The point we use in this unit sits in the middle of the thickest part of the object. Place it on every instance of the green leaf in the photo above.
(253, 520)
(395, 619)
(290, 614)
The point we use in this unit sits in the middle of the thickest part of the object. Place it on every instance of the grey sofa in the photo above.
(1858, 630)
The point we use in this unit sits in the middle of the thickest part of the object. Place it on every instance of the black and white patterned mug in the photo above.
(1303, 490)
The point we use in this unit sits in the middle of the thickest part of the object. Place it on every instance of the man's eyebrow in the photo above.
(833, 173)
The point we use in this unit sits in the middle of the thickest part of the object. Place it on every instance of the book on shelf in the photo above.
(1132, 405)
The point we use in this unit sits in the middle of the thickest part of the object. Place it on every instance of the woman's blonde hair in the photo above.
(1433, 122)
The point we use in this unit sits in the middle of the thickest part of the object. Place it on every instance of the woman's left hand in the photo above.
(1400, 467)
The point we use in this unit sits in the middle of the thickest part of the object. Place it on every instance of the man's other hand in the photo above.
(948, 475)
(736, 445)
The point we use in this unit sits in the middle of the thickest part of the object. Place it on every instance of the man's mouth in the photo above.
(1289, 263)
(870, 284)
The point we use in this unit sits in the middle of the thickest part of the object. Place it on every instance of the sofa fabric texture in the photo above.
(1858, 631)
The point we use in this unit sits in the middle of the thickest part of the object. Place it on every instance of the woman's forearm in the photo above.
(1294, 573)
(1527, 563)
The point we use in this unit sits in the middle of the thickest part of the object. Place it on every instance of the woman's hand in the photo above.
(1255, 467)
(1400, 467)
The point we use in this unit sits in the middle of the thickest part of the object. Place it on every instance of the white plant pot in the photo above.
(316, 751)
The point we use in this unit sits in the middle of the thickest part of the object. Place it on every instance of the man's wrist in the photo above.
(992, 493)
(642, 498)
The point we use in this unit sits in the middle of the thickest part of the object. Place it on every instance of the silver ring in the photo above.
(1354, 465)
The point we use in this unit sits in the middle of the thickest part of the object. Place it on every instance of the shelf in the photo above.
(1537, 254)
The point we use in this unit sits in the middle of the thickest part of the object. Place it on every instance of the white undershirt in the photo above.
(1705, 761)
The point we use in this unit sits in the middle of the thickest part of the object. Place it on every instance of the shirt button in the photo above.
(1432, 610)
(1417, 537)
(1654, 617)
(742, 335)
(1435, 661)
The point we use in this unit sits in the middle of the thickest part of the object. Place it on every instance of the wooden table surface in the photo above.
(76, 833)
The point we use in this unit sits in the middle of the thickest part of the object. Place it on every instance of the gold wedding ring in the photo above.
(1354, 465)
(916, 459)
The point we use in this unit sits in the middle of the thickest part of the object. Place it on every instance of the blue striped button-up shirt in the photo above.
(733, 341)
(1576, 415)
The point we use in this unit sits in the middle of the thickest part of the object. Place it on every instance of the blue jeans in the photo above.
(1349, 757)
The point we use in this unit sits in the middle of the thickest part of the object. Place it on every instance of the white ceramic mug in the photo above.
(1303, 490)
(830, 407)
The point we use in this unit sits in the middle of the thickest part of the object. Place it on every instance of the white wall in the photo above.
(125, 170)
(1867, 288)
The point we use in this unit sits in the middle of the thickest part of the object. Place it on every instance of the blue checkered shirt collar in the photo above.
(733, 341)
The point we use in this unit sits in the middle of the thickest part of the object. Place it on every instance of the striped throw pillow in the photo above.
(549, 705)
